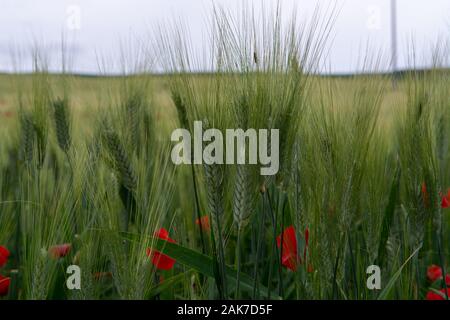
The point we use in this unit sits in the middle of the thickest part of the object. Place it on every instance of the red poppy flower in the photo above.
(4, 285)
(431, 295)
(434, 273)
(203, 222)
(289, 250)
(4, 254)
(289, 257)
(446, 200)
(60, 250)
(160, 260)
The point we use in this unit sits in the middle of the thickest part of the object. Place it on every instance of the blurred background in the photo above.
(94, 29)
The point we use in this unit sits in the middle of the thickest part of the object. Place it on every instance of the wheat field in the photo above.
(86, 178)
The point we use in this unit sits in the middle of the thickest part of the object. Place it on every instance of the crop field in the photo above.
(99, 199)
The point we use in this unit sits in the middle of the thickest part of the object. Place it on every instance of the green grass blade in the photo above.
(388, 217)
(385, 292)
(204, 264)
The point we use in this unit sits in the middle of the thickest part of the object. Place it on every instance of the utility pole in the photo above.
(394, 57)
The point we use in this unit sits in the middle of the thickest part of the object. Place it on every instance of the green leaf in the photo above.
(388, 217)
(204, 264)
(385, 292)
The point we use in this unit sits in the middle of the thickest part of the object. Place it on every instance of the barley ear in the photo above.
(181, 109)
(242, 197)
(133, 114)
(28, 136)
(126, 172)
(62, 123)
(215, 194)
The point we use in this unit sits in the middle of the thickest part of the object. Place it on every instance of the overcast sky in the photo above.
(95, 27)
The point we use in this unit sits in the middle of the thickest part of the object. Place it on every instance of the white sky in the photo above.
(102, 23)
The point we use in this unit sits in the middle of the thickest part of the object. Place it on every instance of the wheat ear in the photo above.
(62, 124)
(28, 136)
(126, 172)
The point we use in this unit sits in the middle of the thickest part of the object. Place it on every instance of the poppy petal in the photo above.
(445, 202)
(60, 250)
(4, 285)
(163, 234)
(4, 255)
(434, 273)
(289, 250)
(203, 222)
(431, 295)
(160, 260)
